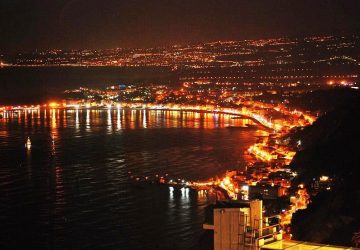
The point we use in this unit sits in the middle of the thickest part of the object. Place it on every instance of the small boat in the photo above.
(28, 143)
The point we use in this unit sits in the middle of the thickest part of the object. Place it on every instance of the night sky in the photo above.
(38, 24)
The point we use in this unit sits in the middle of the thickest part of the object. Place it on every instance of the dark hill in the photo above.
(331, 147)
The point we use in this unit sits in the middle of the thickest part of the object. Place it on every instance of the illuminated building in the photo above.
(242, 226)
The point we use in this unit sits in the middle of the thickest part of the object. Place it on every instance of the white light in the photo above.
(245, 188)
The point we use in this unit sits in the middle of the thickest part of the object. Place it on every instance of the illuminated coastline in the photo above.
(229, 185)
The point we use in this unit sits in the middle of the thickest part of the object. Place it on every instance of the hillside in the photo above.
(331, 147)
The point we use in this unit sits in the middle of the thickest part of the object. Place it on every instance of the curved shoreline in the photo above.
(226, 111)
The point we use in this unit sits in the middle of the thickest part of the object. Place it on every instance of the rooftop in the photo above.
(301, 245)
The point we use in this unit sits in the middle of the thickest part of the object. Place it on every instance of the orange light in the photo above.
(226, 180)
(53, 104)
(324, 178)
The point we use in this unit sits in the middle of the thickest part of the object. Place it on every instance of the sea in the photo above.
(75, 187)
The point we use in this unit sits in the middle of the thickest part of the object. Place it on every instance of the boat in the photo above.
(28, 143)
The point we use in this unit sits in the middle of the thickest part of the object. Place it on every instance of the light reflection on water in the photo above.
(72, 188)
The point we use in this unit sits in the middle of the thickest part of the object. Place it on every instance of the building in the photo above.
(241, 225)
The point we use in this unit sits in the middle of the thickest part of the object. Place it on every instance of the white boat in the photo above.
(28, 143)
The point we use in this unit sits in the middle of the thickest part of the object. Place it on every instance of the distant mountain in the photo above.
(330, 147)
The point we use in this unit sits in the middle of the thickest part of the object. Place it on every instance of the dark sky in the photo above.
(36, 24)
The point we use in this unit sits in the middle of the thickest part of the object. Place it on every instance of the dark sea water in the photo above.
(75, 191)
